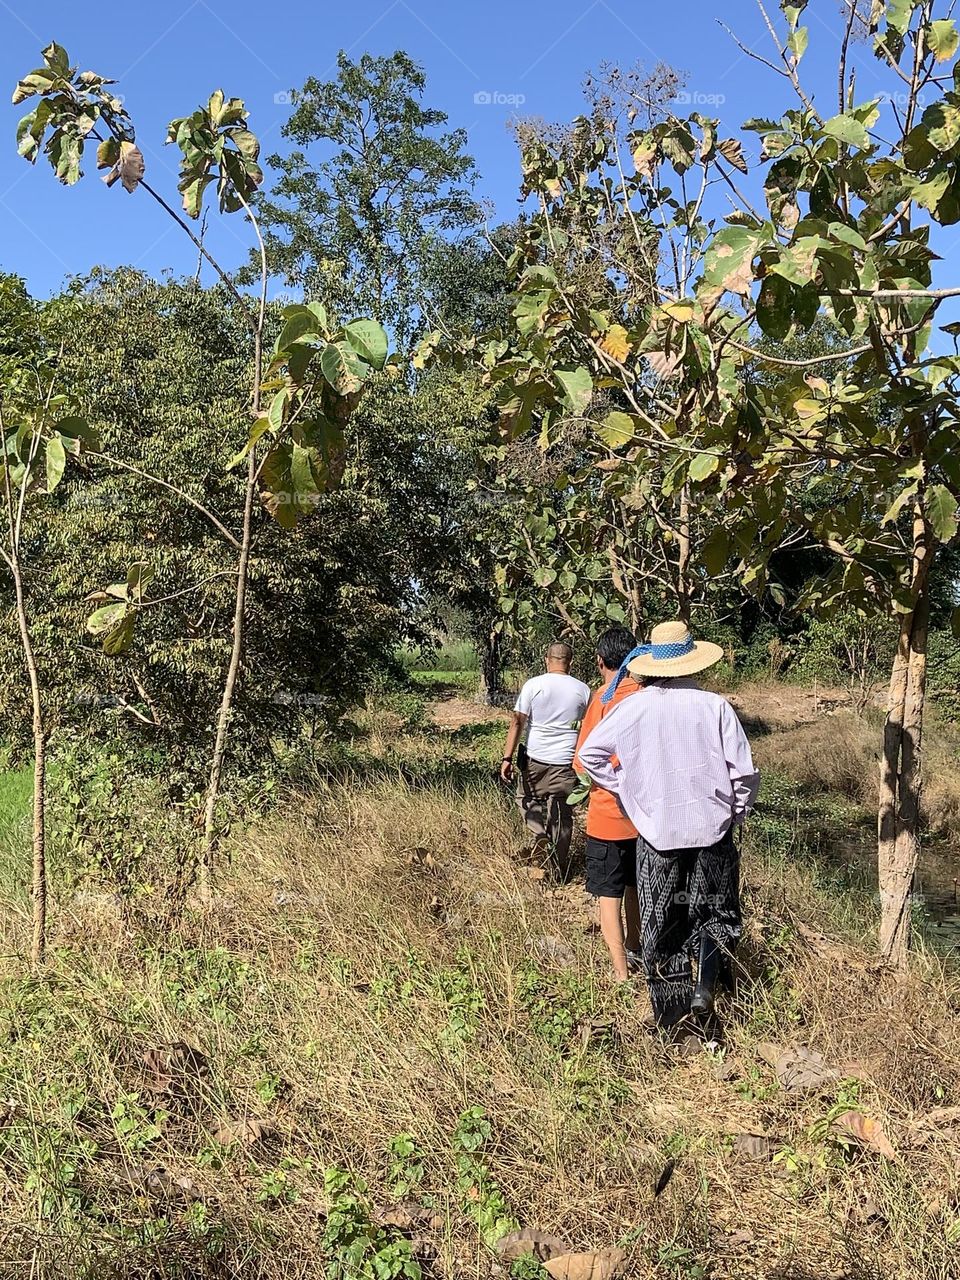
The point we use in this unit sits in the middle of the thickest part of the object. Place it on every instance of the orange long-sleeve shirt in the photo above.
(605, 818)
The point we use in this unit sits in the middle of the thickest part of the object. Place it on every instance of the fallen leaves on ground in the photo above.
(867, 1131)
(798, 1068)
(755, 1146)
(245, 1132)
(586, 1266)
(164, 1064)
(556, 949)
(520, 1244)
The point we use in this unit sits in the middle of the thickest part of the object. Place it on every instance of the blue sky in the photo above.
(530, 55)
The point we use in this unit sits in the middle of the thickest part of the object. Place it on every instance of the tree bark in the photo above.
(901, 772)
(205, 871)
(229, 688)
(38, 887)
(683, 557)
(491, 668)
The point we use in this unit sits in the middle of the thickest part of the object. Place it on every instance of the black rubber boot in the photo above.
(708, 970)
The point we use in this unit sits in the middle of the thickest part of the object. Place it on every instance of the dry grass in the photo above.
(380, 964)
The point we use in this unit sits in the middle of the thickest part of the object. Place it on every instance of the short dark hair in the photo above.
(560, 651)
(614, 645)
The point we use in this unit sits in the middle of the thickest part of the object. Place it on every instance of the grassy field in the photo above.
(393, 1044)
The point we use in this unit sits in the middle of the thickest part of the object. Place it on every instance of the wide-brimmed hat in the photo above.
(672, 651)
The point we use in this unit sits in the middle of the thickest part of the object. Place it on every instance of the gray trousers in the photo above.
(542, 796)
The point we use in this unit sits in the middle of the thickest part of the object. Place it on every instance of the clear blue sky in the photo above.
(168, 57)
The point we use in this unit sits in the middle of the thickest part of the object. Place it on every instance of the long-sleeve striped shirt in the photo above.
(685, 774)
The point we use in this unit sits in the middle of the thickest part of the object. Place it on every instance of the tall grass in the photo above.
(390, 1045)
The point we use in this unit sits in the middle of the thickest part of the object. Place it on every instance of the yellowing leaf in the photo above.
(682, 310)
(645, 156)
(616, 343)
(942, 39)
(616, 430)
(867, 1131)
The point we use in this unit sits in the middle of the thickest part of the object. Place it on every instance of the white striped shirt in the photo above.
(684, 773)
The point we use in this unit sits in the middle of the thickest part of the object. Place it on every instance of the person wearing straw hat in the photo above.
(679, 763)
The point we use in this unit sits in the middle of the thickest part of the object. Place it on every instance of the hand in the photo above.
(506, 772)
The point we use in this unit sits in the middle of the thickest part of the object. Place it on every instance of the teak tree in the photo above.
(41, 431)
(668, 381)
(302, 393)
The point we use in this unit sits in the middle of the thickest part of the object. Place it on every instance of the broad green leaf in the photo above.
(846, 128)
(119, 638)
(342, 368)
(277, 406)
(729, 260)
(256, 431)
(298, 321)
(899, 13)
(798, 41)
(775, 307)
(368, 340)
(703, 466)
(103, 619)
(56, 461)
(139, 577)
(576, 388)
(545, 576)
(942, 39)
(941, 508)
(715, 550)
(616, 430)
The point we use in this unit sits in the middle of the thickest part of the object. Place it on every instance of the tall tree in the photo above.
(375, 186)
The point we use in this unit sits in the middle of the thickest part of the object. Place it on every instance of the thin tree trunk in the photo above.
(683, 556)
(39, 874)
(229, 687)
(901, 773)
(491, 668)
(239, 612)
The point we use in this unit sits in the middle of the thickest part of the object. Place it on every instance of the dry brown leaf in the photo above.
(246, 1132)
(867, 1131)
(519, 1244)
(755, 1146)
(798, 1068)
(586, 1266)
(128, 169)
(663, 366)
(732, 151)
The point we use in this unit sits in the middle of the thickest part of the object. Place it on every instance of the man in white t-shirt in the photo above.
(550, 708)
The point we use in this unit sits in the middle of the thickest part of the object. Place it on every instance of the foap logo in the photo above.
(697, 98)
(284, 98)
(494, 98)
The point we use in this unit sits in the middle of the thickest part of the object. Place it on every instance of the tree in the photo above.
(40, 430)
(355, 227)
(316, 372)
(846, 235)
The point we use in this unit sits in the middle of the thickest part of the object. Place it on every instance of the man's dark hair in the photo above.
(560, 651)
(614, 645)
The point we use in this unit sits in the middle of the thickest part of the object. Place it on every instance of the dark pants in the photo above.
(684, 893)
(542, 796)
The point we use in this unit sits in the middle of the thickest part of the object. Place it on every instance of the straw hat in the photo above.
(674, 652)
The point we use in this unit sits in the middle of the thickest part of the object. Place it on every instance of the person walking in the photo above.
(611, 850)
(549, 709)
(679, 763)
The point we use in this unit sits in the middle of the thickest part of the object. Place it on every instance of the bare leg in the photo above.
(611, 926)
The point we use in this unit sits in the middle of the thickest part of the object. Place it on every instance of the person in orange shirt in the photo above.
(611, 836)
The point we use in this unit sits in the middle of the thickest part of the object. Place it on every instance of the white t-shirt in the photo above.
(554, 704)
